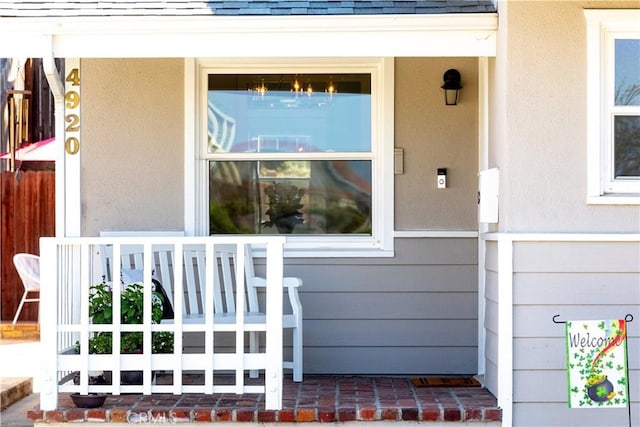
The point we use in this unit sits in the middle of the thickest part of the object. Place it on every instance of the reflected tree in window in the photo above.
(332, 197)
(627, 146)
(627, 72)
(627, 98)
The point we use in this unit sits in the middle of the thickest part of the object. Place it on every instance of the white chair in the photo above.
(291, 321)
(224, 302)
(28, 267)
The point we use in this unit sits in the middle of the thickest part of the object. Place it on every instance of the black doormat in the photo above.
(445, 382)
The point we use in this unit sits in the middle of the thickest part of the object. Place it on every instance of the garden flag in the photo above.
(597, 363)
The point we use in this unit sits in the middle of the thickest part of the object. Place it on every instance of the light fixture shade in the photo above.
(451, 86)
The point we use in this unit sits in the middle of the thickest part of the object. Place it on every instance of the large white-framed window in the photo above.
(302, 147)
(613, 96)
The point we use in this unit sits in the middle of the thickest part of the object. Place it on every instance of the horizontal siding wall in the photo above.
(577, 281)
(415, 313)
(491, 317)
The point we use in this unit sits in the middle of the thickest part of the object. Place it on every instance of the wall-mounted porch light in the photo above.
(451, 86)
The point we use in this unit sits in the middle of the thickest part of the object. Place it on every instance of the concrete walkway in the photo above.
(16, 414)
(19, 370)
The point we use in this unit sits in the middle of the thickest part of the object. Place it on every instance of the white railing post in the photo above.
(240, 302)
(147, 318)
(178, 296)
(273, 371)
(116, 290)
(49, 323)
(85, 277)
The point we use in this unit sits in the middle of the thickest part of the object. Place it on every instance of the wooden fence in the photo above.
(28, 213)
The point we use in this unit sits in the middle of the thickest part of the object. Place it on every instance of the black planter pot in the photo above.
(287, 223)
(92, 400)
(285, 228)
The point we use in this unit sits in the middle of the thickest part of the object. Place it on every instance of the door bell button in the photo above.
(442, 178)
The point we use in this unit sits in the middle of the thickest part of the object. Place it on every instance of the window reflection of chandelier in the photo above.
(331, 89)
(298, 89)
(260, 89)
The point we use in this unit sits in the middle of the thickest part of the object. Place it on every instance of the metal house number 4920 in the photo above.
(72, 116)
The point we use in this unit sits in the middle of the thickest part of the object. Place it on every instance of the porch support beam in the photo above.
(483, 164)
(56, 83)
(505, 330)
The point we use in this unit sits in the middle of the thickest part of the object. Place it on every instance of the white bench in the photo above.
(225, 303)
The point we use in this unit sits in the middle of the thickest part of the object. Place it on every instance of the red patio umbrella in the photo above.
(37, 152)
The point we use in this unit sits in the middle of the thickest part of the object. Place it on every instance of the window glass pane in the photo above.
(627, 146)
(627, 63)
(300, 197)
(289, 113)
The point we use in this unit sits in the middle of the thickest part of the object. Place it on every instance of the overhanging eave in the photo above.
(272, 36)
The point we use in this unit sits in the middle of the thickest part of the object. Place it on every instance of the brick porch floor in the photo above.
(316, 399)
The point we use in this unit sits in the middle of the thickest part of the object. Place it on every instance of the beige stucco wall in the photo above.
(132, 144)
(434, 136)
(538, 122)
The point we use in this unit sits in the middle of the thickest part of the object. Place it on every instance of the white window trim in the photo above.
(381, 242)
(603, 26)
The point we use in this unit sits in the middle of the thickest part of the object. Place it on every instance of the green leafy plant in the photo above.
(131, 312)
(284, 205)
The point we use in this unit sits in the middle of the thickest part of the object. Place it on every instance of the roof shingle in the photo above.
(35, 8)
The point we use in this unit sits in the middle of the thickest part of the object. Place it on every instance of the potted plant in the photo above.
(131, 312)
(284, 205)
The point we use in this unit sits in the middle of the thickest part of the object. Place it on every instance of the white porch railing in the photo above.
(68, 268)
